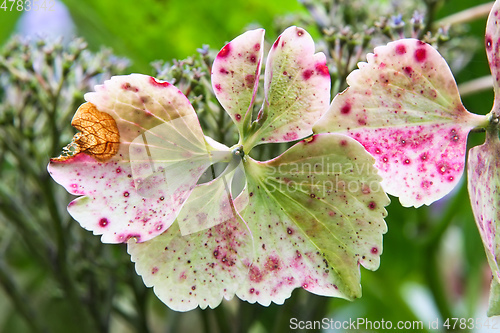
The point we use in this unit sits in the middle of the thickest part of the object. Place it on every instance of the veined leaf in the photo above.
(403, 107)
(139, 191)
(484, 191)
(297, 89)
(314, 214)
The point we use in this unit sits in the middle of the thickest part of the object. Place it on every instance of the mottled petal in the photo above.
(316, 213)
(403, 107)
(484, 191)
(139, 191)
(199, 269)
(492, 43)
(211, 203)
(235, 75)
(297, 89)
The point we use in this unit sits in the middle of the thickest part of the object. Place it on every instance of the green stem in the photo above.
(467, 15)
(429, 17)
(141, 297)
(475, 86)
(221, 319)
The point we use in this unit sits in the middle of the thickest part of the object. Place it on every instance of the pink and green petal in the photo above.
(403, 106)
(139, 192)
(484, 191)
(199, 269)
(297, 89)
(492, 44)
(316, 213)
(236, 73)
(138, 103)
(210, 204)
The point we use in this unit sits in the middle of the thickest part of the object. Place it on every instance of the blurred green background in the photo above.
(433, 264)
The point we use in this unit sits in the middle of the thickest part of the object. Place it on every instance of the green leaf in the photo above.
(403, 107)
(484, 191)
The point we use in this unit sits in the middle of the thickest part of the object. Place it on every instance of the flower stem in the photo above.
(467, 15)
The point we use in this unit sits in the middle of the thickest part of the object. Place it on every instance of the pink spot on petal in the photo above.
(225, 51)
(154, 270)
(322, 69)
(255, 275)
(156, 83)
(408, 70)
(307, 74)
(237, 116)
(374, 250)
(346, 108)
(489, 43)
(400, 49)
(276, 43)
(252, 58)
(218, 87)
(420, 55)
(272, 264)
(256, 47)
(103, 222)
(290, 136)
(250, 80)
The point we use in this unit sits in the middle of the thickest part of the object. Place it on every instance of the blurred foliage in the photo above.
(57, 277)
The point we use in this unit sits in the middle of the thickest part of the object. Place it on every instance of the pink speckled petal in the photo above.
(211, 203)
(484, 190)
(199, 269)
(297, 89)
(235, 75)
(308, 219)
(403, 107)
(492, 43)
(139, 192)
(316, 213)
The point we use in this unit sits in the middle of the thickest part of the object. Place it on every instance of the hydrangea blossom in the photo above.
(305, 219)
